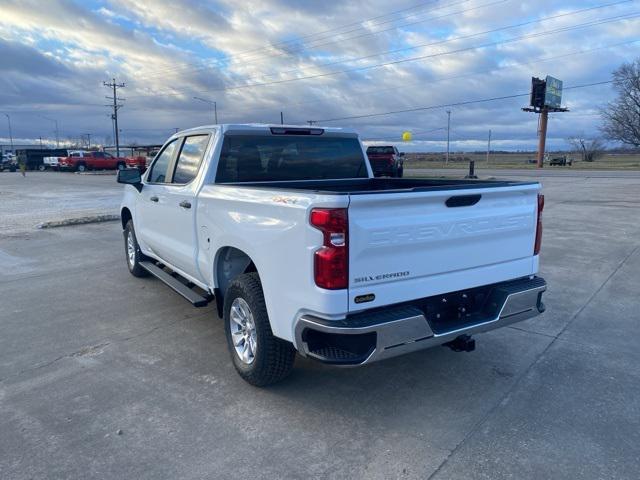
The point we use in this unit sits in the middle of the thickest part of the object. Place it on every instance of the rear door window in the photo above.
(190, 158)
(160, 167)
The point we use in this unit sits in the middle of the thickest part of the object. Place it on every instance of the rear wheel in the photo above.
(42, 167)
(257, 355)
(132, 250)
(121, 166)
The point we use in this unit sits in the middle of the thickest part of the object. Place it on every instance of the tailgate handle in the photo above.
(463, 200)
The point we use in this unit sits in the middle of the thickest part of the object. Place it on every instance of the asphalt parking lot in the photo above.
(41, 197)
(103, 375)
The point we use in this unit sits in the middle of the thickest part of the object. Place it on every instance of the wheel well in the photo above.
(125, 216)
(230, 263)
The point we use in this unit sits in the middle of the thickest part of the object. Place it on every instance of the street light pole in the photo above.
(57, 131)
(488, 147)
(448, 130)
(210, 102)
(10, 133)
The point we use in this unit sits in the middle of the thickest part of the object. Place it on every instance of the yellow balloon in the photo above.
(406, 136)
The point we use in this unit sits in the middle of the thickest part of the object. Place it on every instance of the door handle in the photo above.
(185, 204)
(153, 199)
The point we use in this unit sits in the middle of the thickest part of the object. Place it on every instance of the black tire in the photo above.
(274, 357)
(42, 167)
(134, 266)
(120, 166)
(81, 167)
(400, 172)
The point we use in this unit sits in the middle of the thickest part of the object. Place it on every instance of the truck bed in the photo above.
(359, 186)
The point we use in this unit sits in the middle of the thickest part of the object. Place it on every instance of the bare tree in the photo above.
(621, 118)
(589, 149)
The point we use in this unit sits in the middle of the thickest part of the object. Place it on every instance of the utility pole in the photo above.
(448, 133)
(10, 134)
(210, 102)
(488, 146)
(88, 140)
(281, 118)
(116, 107)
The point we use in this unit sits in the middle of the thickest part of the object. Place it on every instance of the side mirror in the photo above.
(130, 176)
(402, 154)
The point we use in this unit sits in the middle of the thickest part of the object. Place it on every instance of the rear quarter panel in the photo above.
(273, 229)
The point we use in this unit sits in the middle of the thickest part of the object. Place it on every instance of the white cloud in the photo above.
(167, 51)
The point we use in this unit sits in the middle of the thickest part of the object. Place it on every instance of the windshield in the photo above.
(258, 158)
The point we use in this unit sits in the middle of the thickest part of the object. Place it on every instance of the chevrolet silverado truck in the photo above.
(82, 161)
(386, 161)
(303, 250)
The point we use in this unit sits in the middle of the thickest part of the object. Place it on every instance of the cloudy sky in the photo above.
(314, 60)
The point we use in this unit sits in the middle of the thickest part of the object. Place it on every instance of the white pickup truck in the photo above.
(303, 250)
(54, 162)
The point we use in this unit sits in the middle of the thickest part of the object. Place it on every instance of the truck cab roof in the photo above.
(269, 128)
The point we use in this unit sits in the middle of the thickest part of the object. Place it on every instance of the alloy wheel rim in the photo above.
(131, 250)
(243, 331)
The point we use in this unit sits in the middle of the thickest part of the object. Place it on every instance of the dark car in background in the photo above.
(386, 161)
(8, 162)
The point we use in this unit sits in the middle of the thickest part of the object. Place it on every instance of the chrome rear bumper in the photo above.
(383, 333)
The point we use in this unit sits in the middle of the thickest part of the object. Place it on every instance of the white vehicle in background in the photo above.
(302, 249)
(54, 162)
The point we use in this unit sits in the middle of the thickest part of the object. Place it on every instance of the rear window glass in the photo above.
(380, 150)
(262, 158)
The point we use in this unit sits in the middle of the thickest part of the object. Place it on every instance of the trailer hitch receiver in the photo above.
(463, 343)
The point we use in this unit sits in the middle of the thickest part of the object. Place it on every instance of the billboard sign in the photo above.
(553, 92)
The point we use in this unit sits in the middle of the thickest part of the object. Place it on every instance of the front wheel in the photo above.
(132, 249)
(81, 168)
(257, 355)
(42, 168)
(121, 166)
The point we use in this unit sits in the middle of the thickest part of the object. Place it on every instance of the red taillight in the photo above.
(331, 261)
(536, 246)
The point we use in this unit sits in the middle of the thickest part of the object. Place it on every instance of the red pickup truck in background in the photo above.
(141, 157)
(386, 161)
(83, 161)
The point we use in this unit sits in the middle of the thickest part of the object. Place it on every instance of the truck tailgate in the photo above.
(409, 245)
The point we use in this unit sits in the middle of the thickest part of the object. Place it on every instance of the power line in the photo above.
(463, 37)
(333, 42)
(334, 29)
(455, 104)
(422, 57)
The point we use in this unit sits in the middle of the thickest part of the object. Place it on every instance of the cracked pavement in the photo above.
(103, 375)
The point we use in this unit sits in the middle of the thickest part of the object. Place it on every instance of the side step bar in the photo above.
(196, 299)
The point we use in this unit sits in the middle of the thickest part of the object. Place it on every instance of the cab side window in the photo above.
(159, 169)
(190, 158)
